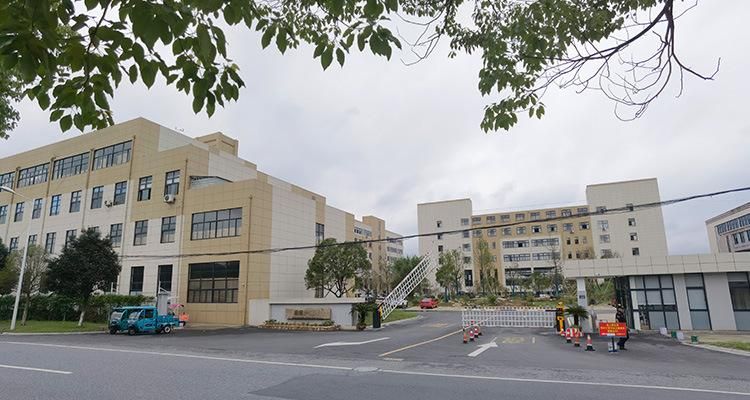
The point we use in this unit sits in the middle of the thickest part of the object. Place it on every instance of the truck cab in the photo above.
(141, 319)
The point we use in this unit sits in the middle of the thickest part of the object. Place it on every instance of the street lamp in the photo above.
(23, 263)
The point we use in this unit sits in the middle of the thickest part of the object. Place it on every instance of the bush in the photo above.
(327, 322)
(53, 307)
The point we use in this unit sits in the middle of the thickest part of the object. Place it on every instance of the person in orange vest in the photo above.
(620, 317)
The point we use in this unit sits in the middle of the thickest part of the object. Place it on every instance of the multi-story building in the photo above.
(525, 241)
(729, 232)
(186, 215)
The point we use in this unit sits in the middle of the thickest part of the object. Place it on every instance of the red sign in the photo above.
(613, 329)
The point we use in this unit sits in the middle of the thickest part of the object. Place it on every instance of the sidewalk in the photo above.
(722, 341)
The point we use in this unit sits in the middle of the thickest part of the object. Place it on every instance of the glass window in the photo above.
(584, 226)
(666, 281)
(215, 282)
(696, 299)
(477, 233)
(551, 214)
(168, 228)
(33, 175)
(36, 212)
(320, 233)
(653, 297)
(603, 225)
(465, 234)
(70, 235)
(115, 234)
(568, 227)
(566, 213)
(506, 231)
(552, 228)
(75, 201)
(636, 251)
(70, 166)
(631, 222)
(18, 216)
(534, 216)
(667, 296)
(112, 155)
(492, 232)
(464, 222)
(583, 210)
(54, 205)
(520, 217)
(694, 280)
(505, 218)
(97, 193)
(13, 243)
(652, 281)
(172, 183)
(6, 179)
(701, 320)
(656, 319)
(467, 247)
(216, 224)
(603, 238)
(144, 188)
(490, 219)
(3, 214)
(121, 190)
(536, 229)
(165, 278)
(739, 290)
(136, 281)
(49, 243)
(672, 320)
(521, 230)
(476, 220)
(140, 234)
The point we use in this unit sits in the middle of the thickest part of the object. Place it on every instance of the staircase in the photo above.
(410, 281)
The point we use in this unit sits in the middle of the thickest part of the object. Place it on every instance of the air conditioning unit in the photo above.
(108, 203)
(169, 198)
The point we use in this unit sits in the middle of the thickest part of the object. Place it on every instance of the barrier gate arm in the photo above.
(409, 283)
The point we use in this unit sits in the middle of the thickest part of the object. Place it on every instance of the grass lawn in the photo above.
(52, 326)
(733, 345)
(396, 315)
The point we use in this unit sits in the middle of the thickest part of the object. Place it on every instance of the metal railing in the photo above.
(519, 317)
(409, 283)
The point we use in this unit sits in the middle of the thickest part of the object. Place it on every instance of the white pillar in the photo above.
(583, 301)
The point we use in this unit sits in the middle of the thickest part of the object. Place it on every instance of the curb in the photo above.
(51, 333)
(402, 321)
(719, 349)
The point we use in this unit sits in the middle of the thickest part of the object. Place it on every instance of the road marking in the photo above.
(51, 371)
(411, 346)
(556, 382)
(533, 339)
(482, 348)
(437, 325)
(513, 340)
(387, 371)
(350, 343)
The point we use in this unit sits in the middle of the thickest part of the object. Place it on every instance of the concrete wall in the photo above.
(683, 308)
(340, 310)
(719, 302)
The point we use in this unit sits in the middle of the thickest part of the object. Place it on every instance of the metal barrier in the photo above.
(518, 317)
(410, 281)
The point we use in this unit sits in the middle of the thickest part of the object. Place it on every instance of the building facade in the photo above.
(186, 215)
(729, 232)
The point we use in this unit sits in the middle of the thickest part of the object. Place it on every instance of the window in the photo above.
(7, 179)
(697, 302)
(570, 255)
(97, 193)
(439, 236)
(168, 228)
(582, 210)
(505, 218)
(13, 243)
(112, 155)
(601, 209)
(477, 233)
(534, 216)
(575, 241)
(216, 224)
(629, 206)
(3, 214)
(95, 229)
(467, 260)
(75, 201)
(476, 220)
(520, 217)
(633, 236)
(36, 212)
(517, 257)
(320, 233)
(584, 226)
(18, 216)
(141, 233)
(70, 166)
(566, 213)
(32, 240)
(551, 214)
(490, 219)
(215, 282)
(54, 205)
(631, 222)
(552, 228)
(136, 281)
(70, 235)
(492, 232)
(603, 238)
(439, 224)
(494, 245)
(739, 291)
(545, 242)
(656, 302)
(506, 231)
(164, 280)
(144, 188)
(568, 227)
(49, 243)
(115, 234)
(465, 234)
(567, 241)
(172, 183)
(607, 253)
(440, 248)
(520, 230)
(603, 225)
(467, 247)
(536, 229)
(464, 222)
(636, 251)
(468, 278)
(121, 190)
(33, 175)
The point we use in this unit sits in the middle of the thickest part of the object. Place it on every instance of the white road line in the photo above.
(333, 344)
(51, 371)
(483, 347)
(533, 339)
(556, 382)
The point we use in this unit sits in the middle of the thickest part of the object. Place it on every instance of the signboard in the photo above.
(613, 329)
(308, 313)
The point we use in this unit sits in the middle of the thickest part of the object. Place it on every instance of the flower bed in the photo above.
(300, 326)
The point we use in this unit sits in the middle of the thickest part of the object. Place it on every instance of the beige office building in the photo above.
(185, 214)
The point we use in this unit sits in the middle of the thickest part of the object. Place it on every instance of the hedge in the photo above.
(52, 307)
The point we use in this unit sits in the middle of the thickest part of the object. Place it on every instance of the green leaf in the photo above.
(326, 57)
(148, 73)
(540, 112)
(281, 41)
(340, 56)
(55, 115)
(267, 36)
(133, 73)
(43, 100)
(319, 49)
(65, 123)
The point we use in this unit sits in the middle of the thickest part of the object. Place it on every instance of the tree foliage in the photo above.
(401, 267)
(10, 92)
(87, 263)
(334, 267)
(34, 276)
(485, 263)
(450, 271)
(4, 252)
(71, 55)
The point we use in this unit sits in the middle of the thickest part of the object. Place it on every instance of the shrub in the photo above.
(53, 307)
(327, 322)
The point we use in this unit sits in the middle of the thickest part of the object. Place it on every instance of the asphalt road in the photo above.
(418, 359)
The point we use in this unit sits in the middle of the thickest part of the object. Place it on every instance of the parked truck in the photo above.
(141, 319)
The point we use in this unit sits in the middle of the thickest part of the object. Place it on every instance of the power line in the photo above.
(619, 210)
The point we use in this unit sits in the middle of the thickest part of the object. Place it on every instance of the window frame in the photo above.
(196, 295)
(118, 242)
(140, 233)
(49, 242)
(133, 269)
(54, 204)
(121, 193)
(172, 180)
(70, 166)
(33, 175)
(19, 211)
(112, 155)
(97, 197)
(212, 227)
(75, 202)
(144, 188)
(168, 222)
(36, 208)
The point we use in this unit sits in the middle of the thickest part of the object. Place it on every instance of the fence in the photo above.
(519, 317)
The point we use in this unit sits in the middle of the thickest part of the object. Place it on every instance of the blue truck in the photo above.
(141, 319)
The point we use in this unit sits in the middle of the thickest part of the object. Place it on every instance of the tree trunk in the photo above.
(25, 310)
(83, 313)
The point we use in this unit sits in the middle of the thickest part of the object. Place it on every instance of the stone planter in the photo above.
(301, 327)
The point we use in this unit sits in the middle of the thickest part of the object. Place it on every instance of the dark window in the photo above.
(739, 290)
(141, 233)
(468, 278)
(3, 214)
(657, 305)
(18, 216)
(36, 212)
(75, 201)
(165, 278)
(121, 190)
(33, 175)
(112, 155)
(97, 193)
(320, 233)
(697, 302)
(144, 188)
(636, 251)
(7, 179)
(70, 166)
(115, 234)
(49, 242)
(168, 228)
(13, 243)
(215, 282)
(54, 205)
(566, 213)
(136, 281)
(32, 240)
(70, 235)
(440, 248)
(172, 183)
(216, 224)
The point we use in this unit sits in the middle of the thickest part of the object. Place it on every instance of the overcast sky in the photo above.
(378, 137)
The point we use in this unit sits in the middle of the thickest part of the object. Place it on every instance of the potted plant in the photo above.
(578, 313)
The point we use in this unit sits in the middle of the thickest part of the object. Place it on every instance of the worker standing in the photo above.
(620, 317)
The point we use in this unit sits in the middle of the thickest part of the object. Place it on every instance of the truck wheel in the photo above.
(112, 331)
(167, 329)
(132, 331)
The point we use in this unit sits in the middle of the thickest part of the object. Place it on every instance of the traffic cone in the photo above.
(471, 335)
(577, 342)
(589, 344)
(567, 336)
(466, 337)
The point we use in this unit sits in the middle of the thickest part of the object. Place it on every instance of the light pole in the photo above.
(23, 263)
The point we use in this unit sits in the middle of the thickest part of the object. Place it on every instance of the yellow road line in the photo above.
(411, 346)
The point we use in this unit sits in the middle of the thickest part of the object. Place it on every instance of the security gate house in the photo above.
(520, 317)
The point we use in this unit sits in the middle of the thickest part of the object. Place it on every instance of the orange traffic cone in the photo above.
(567, 335)
(471, 334)
(577, 341)
(589, 343)
(466, 337)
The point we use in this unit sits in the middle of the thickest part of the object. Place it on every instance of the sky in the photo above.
(377, 137)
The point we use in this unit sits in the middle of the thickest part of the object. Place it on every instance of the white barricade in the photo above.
(519, 317)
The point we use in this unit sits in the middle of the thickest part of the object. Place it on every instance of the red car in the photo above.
(428, 302)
